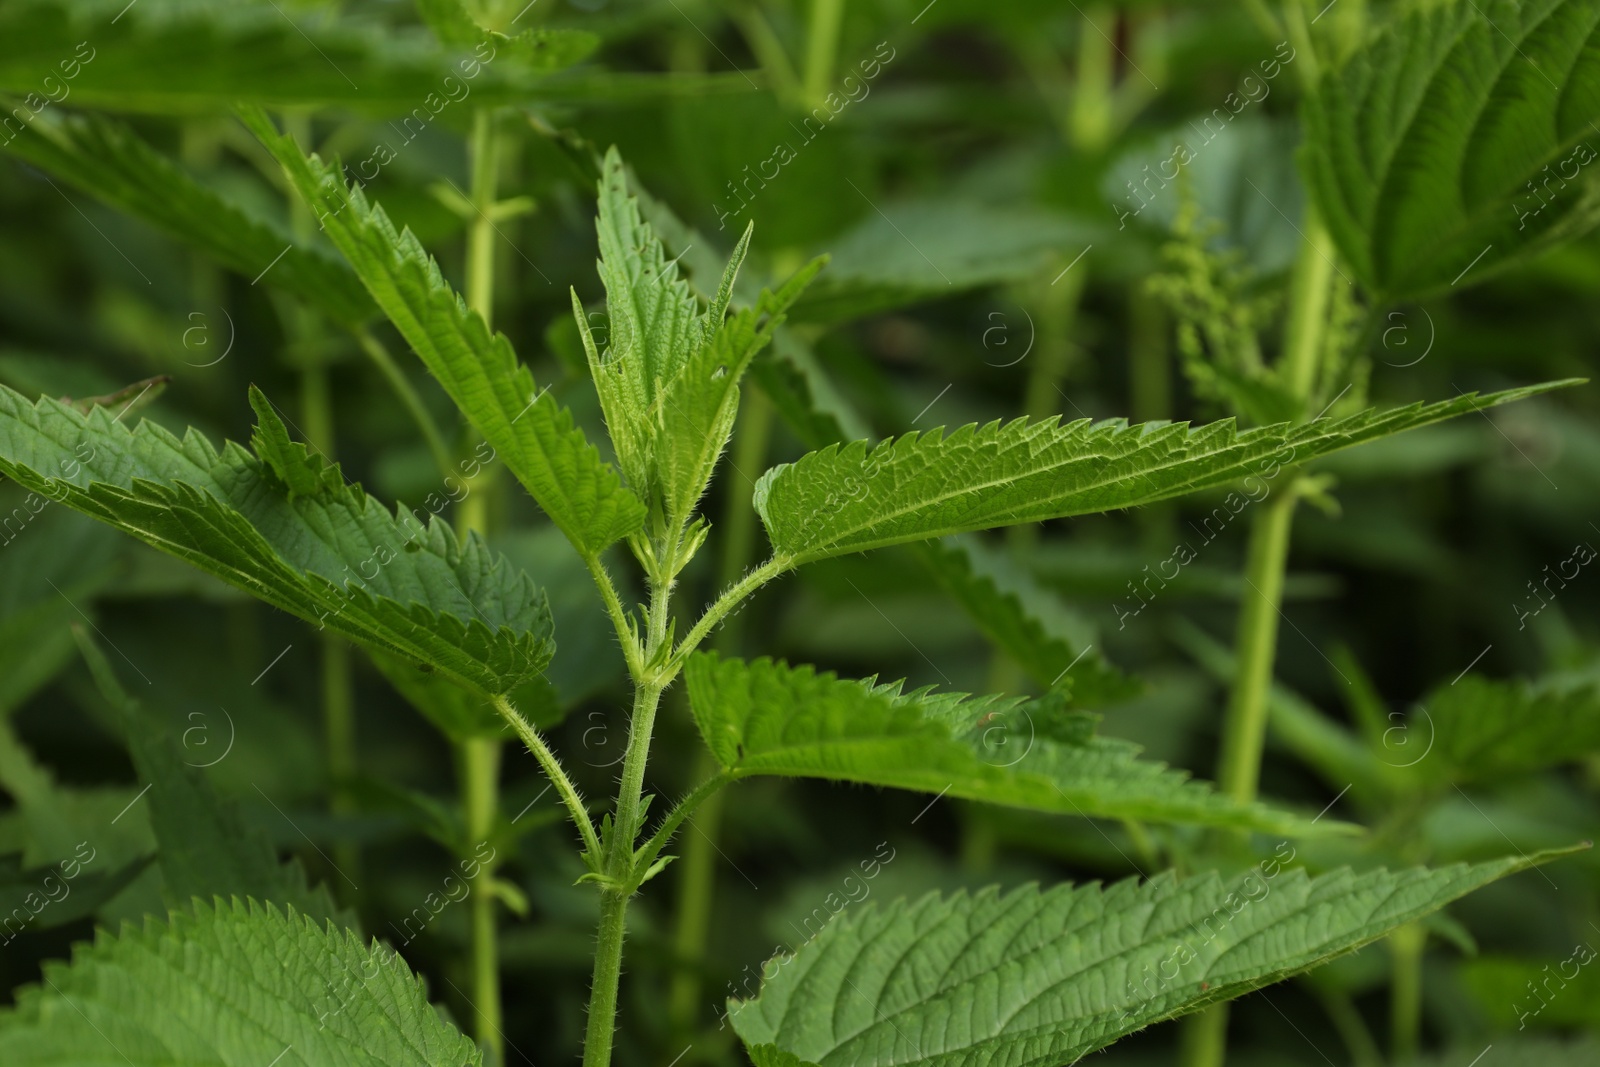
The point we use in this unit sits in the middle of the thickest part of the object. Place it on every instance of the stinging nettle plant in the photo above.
(1028, 976)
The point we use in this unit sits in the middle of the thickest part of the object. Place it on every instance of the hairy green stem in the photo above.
(619, 864)
(554, 771)
(707, 792)
(316, 411)
(732, 598)
(631, 650)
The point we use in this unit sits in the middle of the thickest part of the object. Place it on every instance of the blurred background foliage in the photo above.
(973, 184)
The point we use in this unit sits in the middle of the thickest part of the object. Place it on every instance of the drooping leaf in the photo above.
(230, 983)
(1038, 979)
(427, 597)
(1458, 141)
(108, 160)
(1049, 643)
(924, 485)
(767, 718)
(163, 57)
(205, 848)
(530, 431)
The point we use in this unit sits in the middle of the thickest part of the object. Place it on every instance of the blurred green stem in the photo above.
(316, 408)
(1091, 122)
(768, 50)
(480, 757)
(700, 850)
(379, 354)
(480, 781)
(822, 47)
(1203, 1041)
(1352, 1028)
(1256, 643)
(1255, 646)
(480, 227)
(1405, 991)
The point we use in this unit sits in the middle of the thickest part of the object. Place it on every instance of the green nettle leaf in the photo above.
(198, 57)
(1484, 730)
(336, 558)
(1458, 141)
(230, 983)
(1048, 642)
(529, 430)
(106, 159)
(768, 718)
(668, 377)
(922, 485)
(1036, 978)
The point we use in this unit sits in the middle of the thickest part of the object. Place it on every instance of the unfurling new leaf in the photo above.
(668, 375)
(531, 433)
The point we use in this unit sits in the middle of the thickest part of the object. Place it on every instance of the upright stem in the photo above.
(480, 228)
(480, 757)
(1203, 1041)
(480, 778)
(1256, 643)
(1244, 730)
(1405, 991)
(822, 44)
(1091, 94)
(619, 862)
